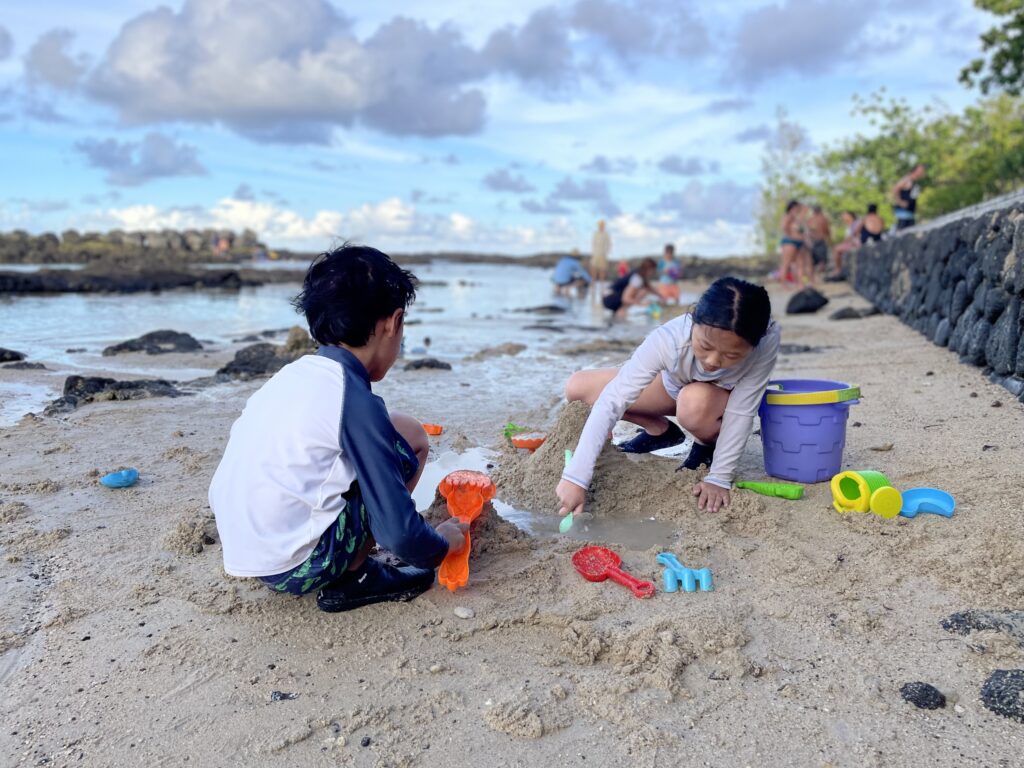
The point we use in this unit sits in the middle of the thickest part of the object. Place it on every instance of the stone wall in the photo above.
(960, 283)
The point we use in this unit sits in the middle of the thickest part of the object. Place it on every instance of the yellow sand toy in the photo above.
(865, 491)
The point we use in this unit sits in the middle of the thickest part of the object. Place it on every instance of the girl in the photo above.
(714, 366)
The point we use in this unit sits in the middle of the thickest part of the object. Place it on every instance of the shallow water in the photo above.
(633, 535)
(460, 309)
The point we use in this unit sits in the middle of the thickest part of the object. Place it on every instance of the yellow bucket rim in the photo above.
(813, 398)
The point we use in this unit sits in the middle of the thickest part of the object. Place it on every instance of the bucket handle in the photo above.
(812, 398)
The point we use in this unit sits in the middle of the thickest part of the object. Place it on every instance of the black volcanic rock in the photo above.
(156, 343)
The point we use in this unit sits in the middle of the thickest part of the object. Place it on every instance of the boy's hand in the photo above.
(571, 497)
(454, 533)
(711, 497)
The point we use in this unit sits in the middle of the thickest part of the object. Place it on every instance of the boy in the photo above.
(316, 471)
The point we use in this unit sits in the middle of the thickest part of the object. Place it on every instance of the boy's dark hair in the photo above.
(791, 205)
(735, 305)
(670, 248)
(872, 207)
(347, 290)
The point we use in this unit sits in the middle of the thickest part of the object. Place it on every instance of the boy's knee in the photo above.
(412, 431)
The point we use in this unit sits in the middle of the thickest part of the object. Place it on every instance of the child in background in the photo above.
(709, 369)
(570, 274)
(316, 470)
(670, 272)
(631, 288)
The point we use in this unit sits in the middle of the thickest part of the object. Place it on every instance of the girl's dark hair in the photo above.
(872, 207)
(735, 305)
(347, 290)
(791, 205)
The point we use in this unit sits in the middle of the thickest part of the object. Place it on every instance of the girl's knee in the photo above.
(575, 387)
(699, 409)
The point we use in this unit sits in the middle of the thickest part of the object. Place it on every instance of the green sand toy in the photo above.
(790, 491)
(566, 524)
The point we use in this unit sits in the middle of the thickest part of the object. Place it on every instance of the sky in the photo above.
(453, 125)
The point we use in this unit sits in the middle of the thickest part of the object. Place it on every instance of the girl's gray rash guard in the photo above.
(668, 350)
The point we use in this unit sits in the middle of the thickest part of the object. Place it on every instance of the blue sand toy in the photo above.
(676, 573)
(123, 479)
(931, 500)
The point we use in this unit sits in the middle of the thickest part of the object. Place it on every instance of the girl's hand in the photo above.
(571, 497)
(711, 497)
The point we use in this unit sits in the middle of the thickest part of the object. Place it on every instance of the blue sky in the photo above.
(453, 125)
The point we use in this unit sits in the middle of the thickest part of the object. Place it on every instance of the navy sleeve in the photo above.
(368, 441)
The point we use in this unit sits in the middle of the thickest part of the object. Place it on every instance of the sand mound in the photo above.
(624, 485)
(195, 532)
(12, 510)
(490, 533)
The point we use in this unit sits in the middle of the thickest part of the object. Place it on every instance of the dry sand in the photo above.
(122, 642)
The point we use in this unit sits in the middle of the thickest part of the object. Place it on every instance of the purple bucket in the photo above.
(804, 441)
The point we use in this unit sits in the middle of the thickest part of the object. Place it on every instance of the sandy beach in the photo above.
(122, 641)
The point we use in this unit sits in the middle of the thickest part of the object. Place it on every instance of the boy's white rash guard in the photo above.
(668, 350)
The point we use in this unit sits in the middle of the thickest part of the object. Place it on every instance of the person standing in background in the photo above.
(904, 197)
(600, 248)
(819, 231)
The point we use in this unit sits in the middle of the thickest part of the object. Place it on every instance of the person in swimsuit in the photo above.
(670, 272)
(708, 369)
(872, 225)
(820, 231)
(904, 197)
(792, 243)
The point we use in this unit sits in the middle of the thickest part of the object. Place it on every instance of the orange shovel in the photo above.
(466, 492)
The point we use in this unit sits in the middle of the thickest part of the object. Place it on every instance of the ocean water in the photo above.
(460, 309)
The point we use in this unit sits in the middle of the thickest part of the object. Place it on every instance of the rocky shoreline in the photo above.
(127, 262)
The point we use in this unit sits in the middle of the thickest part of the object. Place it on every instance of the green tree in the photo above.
(1002, 66)
(970, 156)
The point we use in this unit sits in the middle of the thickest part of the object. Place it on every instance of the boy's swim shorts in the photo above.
(342, 540)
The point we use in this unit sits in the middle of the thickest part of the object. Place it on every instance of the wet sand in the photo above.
(122, 642)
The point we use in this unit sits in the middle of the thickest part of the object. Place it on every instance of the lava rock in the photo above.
(544, 309)
(942, 331)
(156, 343)
(1003, 693)
(797, 349)
(806, 302)
(9, 355)
(977, 340)
(263, 359)
(923, 695)
(25, 366)
(961, 300)
(429, 363)
(846, 313)
(1001, 348)
(79, 390)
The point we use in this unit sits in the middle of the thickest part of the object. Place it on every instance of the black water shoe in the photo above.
(374, 582)
(645, 443)
(700, 455)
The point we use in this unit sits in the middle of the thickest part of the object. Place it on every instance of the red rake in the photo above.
(600, 563)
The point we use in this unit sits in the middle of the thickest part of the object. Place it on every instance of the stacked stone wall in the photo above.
(960, 283)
